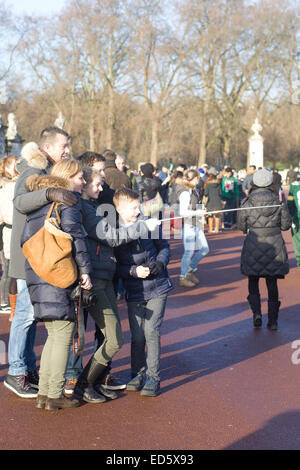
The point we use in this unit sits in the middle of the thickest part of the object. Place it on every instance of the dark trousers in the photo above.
(253, 287)
(229, 217)
(75, 366)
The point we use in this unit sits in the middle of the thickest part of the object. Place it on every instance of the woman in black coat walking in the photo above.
(264, 253)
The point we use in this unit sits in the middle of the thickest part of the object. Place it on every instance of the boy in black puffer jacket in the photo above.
(142, 264)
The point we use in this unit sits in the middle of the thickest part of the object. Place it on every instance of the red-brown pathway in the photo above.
(224, 384)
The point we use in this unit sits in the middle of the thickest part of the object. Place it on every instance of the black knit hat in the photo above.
(147, 169)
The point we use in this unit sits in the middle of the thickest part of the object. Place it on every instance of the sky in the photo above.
(37, 7)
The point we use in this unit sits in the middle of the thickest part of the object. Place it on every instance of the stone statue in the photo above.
(256, 146)
(60, 121)
(13, 139)
(256, 128)
(12, 127)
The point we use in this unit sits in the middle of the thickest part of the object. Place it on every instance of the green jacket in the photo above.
(293, 202)
(230, 188)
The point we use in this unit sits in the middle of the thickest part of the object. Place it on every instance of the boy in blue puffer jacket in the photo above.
(142, 264)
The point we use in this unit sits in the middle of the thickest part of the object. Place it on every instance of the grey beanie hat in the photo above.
(262, 178)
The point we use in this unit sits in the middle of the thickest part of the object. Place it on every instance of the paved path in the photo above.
(224, 384)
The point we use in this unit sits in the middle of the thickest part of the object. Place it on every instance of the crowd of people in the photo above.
(116, 257)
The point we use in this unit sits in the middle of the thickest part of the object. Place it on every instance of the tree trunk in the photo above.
(225, 149)
(202, 143)
(110, 119)
(154, 143)
(92, 135)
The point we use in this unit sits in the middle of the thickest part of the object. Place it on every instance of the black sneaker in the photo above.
(135, 384)
(111, 382)
(20, 386)
(33, 378)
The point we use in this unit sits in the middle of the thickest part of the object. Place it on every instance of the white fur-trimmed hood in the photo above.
(33, 156)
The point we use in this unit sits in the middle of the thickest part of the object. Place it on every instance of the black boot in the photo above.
(92, 373)
(273, 309)
(254, 302)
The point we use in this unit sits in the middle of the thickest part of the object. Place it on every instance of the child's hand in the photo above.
(142, 272)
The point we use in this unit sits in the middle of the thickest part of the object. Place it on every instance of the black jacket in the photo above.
(50, 302)
(103, 235)
(141, 252)
(213, 192)
(149, 187)
(264, 253)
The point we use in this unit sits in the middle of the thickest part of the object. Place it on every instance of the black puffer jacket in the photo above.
(141, 252)
(264, 253)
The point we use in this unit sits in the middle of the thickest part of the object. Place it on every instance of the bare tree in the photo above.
(102, 38)
(154, 77)
(207, 26)
(156, 65)
(10, 38)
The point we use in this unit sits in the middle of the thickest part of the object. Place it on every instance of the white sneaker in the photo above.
(5, 308)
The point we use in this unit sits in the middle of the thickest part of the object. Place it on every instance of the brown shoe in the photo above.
(41, 401)
(191, 276)
(185, 282)
(61, 403)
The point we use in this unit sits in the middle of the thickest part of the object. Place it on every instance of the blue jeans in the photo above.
(21, 355)
(193, 240)
(145, 320)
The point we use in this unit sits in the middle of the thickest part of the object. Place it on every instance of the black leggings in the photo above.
(253, 287)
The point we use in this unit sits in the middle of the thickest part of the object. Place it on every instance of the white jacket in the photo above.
(6, 212)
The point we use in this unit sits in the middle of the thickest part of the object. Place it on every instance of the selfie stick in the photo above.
(218, 212)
